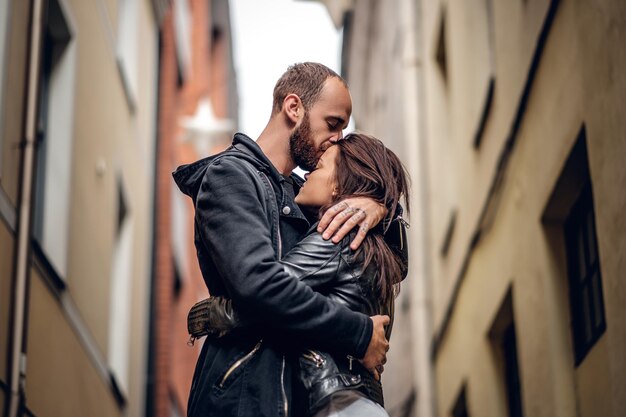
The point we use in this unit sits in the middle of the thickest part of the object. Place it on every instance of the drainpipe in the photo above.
(18, 358)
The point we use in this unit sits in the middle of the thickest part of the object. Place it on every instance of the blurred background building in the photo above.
(197, 117)
(78, 129)
(509, 116)
(99, 101)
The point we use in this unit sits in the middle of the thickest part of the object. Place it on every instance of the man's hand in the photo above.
(341, 218)
(376, 354)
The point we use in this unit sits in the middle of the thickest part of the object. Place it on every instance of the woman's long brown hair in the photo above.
(366, 168)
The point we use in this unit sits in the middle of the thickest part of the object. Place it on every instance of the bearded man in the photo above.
(245, 219)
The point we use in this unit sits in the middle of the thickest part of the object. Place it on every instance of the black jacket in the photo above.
(335, 271)
(245, 219)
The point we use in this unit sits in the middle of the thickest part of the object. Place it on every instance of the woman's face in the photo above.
(320, 183)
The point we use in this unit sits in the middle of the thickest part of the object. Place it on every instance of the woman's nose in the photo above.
(306, 176)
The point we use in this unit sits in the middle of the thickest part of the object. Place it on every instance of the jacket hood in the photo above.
(189, 177)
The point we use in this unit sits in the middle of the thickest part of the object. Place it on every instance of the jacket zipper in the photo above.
(282, 372)
(315, 357)
(280, 255)
(350, 359)
(239, 363)
(282, 385)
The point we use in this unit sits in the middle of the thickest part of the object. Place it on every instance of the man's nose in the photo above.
(336, 138)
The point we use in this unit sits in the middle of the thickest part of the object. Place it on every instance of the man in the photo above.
(245, 220)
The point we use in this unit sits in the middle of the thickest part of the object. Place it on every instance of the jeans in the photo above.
(349, 403)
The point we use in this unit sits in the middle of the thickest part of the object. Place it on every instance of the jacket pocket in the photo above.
(233, 370)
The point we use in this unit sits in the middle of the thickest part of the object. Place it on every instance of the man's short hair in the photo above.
(306, 80)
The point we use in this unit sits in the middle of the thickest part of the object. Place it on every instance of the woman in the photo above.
(365, 281)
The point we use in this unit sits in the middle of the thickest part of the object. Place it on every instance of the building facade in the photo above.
(509, 118)
(198, 107)
(524, 131)
(78, 125)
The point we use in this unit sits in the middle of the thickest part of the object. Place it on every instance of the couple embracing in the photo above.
(302, 274)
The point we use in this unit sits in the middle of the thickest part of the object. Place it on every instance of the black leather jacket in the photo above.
(241, 227)
(335, 271)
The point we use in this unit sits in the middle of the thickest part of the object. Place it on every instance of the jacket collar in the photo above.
(243, 143)
(189, 177)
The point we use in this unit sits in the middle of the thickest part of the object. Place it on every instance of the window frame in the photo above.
(581, 222)
(55, 120)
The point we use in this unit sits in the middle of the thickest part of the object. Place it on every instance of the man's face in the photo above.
(321, 125)
(301, 145)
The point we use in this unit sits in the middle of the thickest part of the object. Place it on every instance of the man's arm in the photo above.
(234, 228)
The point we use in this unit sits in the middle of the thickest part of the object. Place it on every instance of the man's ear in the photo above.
(292, 106)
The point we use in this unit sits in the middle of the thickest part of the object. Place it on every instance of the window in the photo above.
(121, 291)
(570, 215)
(447, 239)
(460, 405)
(54, 138)
(182, 36)
(504, 343)
(127, 49)
(440, 51)
(511, 371)
(491, 83)
(585, 278)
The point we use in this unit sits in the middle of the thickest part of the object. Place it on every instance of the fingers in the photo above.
(344, 219)
(353, 218)
(330, 214)
(383, 319)
(360, 236)
(377, 371)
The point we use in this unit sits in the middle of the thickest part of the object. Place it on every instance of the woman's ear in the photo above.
(292, 106)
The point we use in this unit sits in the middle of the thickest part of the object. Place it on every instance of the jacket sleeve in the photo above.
(313, 261)
(234, 228)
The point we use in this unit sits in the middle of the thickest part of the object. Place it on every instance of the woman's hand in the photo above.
(341, 218)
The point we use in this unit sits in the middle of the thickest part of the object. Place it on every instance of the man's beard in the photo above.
(301, 146)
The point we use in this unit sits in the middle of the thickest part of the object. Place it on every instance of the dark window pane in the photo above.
(509, 347)
(586, 320)
(582, 270)
(585, 277)
(597, 301)
(460, 407)
(591, 238)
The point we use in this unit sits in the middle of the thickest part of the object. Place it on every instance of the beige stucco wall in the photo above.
(106, 131)
(61, 379)
(577, 82)
(580, 80)
(459, 175)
